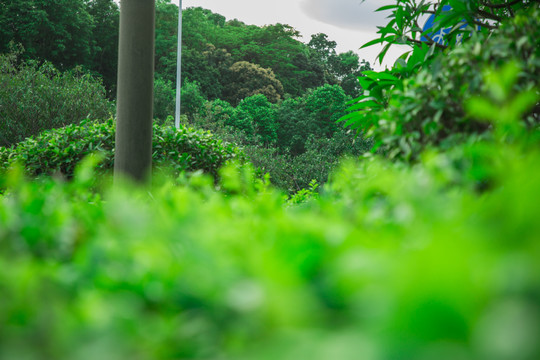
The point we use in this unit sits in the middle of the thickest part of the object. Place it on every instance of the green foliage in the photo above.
(166, 40)
(192, 100)
(246, 79)
(164, 99)
(255, 115)
(59, 151)
(343, 68)
(106, 20)
(407, 114)
(326, 105)
(463, 20)
(295, 141)
(389, 261)
(212, 45)
(58, 31)
(67, 33)
(315, 114)
(36, 97)
(320, 157)
(304, 195)
(220, 112)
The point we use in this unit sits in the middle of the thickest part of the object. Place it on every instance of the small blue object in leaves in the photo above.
(438, 37)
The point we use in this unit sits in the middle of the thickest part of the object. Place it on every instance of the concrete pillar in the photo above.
(135, 92)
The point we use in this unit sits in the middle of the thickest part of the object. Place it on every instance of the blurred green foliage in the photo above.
(389, 261)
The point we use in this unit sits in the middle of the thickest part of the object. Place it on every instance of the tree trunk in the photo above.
(133, 153)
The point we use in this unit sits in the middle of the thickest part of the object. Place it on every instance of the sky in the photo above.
(350, 23)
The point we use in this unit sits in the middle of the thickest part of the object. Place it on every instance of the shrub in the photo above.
(293, 173)
(35, 97)
(59, 150)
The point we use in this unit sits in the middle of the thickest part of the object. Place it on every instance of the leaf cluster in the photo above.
(421, 104)
(59, 151)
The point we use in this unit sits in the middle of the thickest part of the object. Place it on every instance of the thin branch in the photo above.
(426, 35)
(489, 16)
(418, 42)
(486, 25)
(500, 6)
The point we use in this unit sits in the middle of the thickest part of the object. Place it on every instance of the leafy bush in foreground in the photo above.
(59, 150)
(428, 109)
(36, 97)
(389, 262)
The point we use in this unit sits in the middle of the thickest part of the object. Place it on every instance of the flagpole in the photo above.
(178, 67)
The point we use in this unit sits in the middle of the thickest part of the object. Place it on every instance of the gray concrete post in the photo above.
(135, 91)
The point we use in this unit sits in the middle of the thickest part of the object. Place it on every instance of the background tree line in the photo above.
(216, 51)
(259, 87)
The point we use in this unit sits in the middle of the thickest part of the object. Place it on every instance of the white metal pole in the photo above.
(178, 67)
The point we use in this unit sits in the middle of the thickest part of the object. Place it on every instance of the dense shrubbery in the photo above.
(59, 150)
(35, 97)
(321, 156)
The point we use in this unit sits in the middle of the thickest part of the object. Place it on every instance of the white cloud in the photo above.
(349, 14)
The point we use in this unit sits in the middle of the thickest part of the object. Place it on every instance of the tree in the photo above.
(192, 99)
(208, 68)
(106, 17)
(133, 154)
(246, 79)
(166, 40)
(324, 47)
(59, 31)
(255, 115)
(326, 105)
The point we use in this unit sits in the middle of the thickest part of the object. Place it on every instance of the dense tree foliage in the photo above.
(35, 97)
(67, 33)
(223, 60)
(296, 140)
(212, 45)
(246, 79)
(105, 18)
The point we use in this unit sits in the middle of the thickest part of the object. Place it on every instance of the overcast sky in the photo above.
(350, 23)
